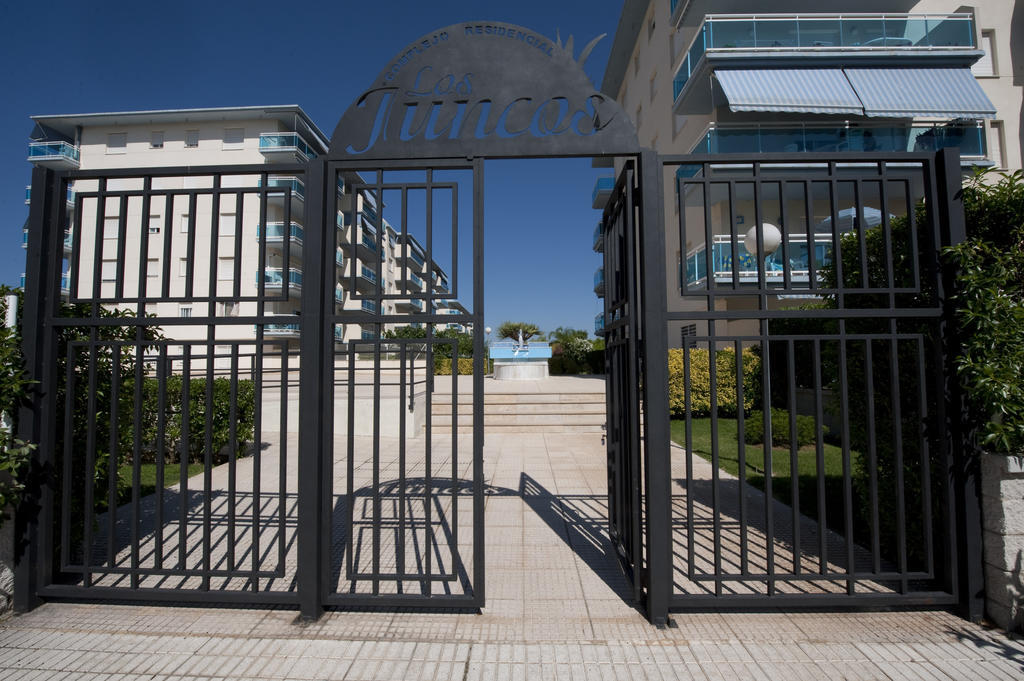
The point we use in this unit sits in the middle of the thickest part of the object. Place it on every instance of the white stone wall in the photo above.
(1002, 506)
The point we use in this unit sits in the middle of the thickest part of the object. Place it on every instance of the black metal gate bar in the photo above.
(121, 573)
(923, 579)
(380, 179)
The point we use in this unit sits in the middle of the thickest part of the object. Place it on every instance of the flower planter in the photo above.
(1002, 506)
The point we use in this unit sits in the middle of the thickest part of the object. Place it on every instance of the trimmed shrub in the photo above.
(754, 429)
(700, 381)
(442, 366)
(595, 360)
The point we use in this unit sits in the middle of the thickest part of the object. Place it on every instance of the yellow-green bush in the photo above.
(700, 381)
(443, 366)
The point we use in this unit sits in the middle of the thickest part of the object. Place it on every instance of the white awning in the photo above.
(920, 93)
(823, 91)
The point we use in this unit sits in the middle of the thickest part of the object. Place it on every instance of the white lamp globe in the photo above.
(487, 330)
(771, 237)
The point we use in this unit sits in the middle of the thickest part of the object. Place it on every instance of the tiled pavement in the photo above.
(556, 610)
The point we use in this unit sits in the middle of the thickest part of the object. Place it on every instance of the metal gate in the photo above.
(813, 401)
(207, 430)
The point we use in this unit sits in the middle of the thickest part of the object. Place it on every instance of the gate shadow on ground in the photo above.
(579, 520)
(701, 532)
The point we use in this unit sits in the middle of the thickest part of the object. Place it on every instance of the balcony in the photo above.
(339, 258)
(59, 155)
(339, 295)
(366, 280)
(290, 184)
(599, 325)
(799, 137)
(276, 233)
(599, 282)
(599, 238)
(274, 277)
(285, 146)
(731, 35)
(602, 192)
(368, 306)
(409, 305)
(413, 282)
(280, 330)
(747, 271)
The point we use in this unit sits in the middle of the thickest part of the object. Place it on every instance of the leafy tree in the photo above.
(511, 330)
(563, 334)
(14, 388)
(990, 309)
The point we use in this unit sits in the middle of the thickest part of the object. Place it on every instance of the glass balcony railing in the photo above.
(275, 277)
(368, 274)
(368, 306)
(339, 258)
(801, 137)
(599, 324)
(276, 231)
(369, 242)
(296, 186)
(65, 282)
(28, 195)
(599, 278)
(53, 151)
(69, 240)
(21, 281)
(271, 142)
(416, 281)
(368, 335)
(822, 33)
(416, 304)
(598, 238)
(603, 187)
(339, 296)
(24, 238)
(280, 329)
(747, 269)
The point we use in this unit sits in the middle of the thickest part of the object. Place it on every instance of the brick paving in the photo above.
(558, 608)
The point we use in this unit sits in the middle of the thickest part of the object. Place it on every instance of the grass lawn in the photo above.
(807, 466)
(147, 479)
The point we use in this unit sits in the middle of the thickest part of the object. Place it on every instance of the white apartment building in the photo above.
(735, 76)
(195, 247)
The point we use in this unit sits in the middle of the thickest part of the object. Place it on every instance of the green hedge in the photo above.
(754, 429)
(443, 366)
(173, 442)
(700, 382)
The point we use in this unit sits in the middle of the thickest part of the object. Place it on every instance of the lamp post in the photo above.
(771, 239)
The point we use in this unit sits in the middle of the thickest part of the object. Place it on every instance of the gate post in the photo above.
(966, 473)
(313, 424)
(33, 549)
(654, 337)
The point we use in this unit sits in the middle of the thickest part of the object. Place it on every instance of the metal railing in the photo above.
(296, 185)
(766, 138)
(285, 141)
(41, 151)
(722, 263)
(276, 230)
(275, 277)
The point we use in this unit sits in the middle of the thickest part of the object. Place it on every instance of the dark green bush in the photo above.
(754, 429)
(174, 441)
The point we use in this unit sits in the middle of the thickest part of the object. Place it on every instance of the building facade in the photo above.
(707, 77)
(243, 247)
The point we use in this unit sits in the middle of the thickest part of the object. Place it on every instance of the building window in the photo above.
(996, 143)
(154, 224)
(986, 66)
(183, 267)
(225, 269)
(234, 138)
(156, 140)
(229, 309)
(184, 311)
(191, 139)
(108, 270)
(153, 268)
(117, 143)
(184, 223)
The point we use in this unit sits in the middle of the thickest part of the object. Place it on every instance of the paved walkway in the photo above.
(557, 608)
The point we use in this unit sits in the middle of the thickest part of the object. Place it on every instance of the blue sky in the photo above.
(112, 56)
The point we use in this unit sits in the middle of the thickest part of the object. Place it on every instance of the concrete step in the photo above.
(563, 428)
(525, 398)
(466, 408)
